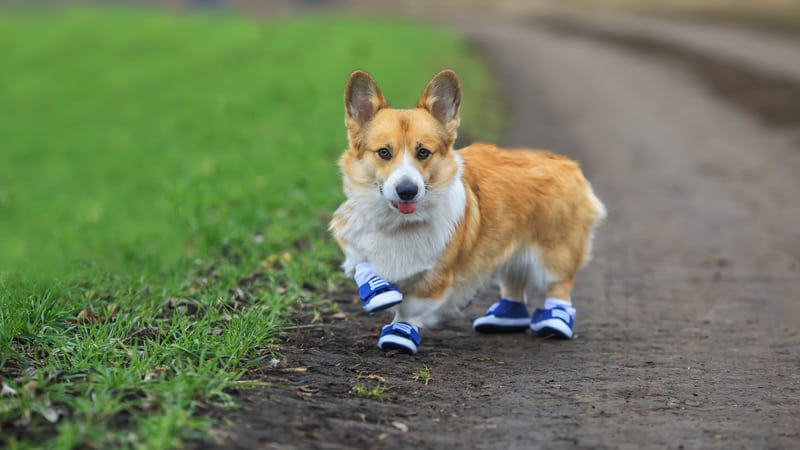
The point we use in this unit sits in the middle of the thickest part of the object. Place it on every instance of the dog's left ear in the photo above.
(442, 98)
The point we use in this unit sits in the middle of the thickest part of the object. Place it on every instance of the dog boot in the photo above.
(505, 316)
(554, 320)
(376, 293)
(400, 336)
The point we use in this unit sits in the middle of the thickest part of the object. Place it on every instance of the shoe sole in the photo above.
(394, 342)
(552, 328)
(492, 324)
(383, 301)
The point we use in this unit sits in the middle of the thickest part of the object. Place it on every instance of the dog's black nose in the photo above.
(407, 190)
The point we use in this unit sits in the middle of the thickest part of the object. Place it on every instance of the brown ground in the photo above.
(688, 326)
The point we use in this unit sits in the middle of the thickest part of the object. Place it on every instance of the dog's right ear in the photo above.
(362, 99)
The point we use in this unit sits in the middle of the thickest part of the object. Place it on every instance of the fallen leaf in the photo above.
(376, 377)
(400, 426)
(51, 414)
(149, 376)
(86, 316)
(308, 389)
(7, 391)
(294, 369)
(30, 387)
(25, 420)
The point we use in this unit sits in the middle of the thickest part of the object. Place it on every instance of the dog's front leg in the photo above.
(421, 307)
(352, 258)
(376, 293)
(411, 315)
(419, 312)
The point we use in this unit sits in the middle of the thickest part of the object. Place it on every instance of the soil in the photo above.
(688, 325)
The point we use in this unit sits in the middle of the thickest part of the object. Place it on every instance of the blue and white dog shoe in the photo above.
(378, 294)
(553, 322)
(400, 336)
(505, 316)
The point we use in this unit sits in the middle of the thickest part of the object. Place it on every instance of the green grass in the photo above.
(165, 183)
(370, 386)
(424, 375)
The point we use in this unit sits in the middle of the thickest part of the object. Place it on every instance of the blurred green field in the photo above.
(165, 185)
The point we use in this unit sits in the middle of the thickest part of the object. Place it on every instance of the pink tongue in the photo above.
(406, 208)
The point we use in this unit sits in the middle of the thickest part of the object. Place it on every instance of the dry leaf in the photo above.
(376, 377)
(30, 387)
(25, 420)
(294, 369)
(51, 414)
(86, 316)
(7, 391)
(400, 426)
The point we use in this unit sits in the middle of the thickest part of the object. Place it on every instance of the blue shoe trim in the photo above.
(505, 316)
(555, 322)
(400, 336)
(378, 294)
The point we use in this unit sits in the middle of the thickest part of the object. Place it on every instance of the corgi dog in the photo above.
(424, 225)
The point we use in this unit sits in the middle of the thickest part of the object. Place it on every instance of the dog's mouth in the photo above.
(405, 207)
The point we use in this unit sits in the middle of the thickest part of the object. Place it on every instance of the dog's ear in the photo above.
(442, 98)
(362, 99)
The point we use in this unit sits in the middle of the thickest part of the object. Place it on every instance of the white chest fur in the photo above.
(400, 247)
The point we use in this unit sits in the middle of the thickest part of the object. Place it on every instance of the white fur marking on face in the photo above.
(407, 170)
(371, 231)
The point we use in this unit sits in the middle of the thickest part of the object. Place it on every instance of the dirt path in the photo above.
(688, 319)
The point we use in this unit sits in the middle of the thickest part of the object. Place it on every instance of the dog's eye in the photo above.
(385, 153)
(423, 153)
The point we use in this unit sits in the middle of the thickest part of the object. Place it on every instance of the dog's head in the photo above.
(399, 158)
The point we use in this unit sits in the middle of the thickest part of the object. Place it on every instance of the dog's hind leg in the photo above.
(557, 316)
(510, 314)
(561, 290)
(514, 280)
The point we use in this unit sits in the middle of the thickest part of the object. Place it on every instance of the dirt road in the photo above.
(688, 319)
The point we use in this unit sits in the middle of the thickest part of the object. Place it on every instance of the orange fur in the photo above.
(519, 199)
